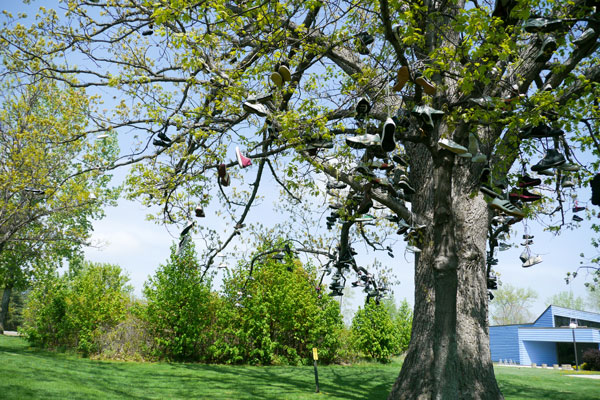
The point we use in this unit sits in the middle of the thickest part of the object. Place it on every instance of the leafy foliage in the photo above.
(511, 305)
(375, 333)
(566, 299)
(72, 310)
(181, 309)
(279, 316)
(592, 358)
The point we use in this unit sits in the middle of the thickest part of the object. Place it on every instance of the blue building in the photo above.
(548, 340)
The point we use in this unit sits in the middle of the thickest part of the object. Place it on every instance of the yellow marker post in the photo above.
(315, 358)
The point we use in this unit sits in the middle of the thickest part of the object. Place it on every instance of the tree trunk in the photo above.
(4, 307)
(449, 356)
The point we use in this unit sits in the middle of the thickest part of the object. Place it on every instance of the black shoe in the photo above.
(387, 137)
(595, 184)
(552, 159)
(548, 47)
(160, 143)
(541, 131)
(363, 39)
(362, 108)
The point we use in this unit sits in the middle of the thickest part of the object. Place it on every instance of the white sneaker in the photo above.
(532, 261)
(452, 146)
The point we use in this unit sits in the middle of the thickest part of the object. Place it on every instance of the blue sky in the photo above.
(139, 246)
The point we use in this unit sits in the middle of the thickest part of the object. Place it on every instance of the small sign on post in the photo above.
(315, 358)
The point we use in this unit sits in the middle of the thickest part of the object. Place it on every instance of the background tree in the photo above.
(494, 79)
(72, 310)
(374, 332)
(181, 309)
(279, 313)
(567, 300)
(52, 182)
(511, 305)
(402, 317)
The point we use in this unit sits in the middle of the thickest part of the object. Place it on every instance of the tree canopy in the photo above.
(442, 113)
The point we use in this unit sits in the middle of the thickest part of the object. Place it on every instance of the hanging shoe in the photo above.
(277, 79)
(285, 73)
(552, 159)
(397, 158)
(543, 25)
(585, 36)
(427, 114)
(528, 242)
(595, 185)
(332, 184)
(148, 31)
(540, 132)
(363, 141)
(578, 209)
(387, 141)
(528, 236)
(485, 102)
(160, 143)
(546, 172)
(243, 161)
(506, 207)
(567, 182)
(524, 255)
(163, 137)
(503, 246)
(256, 108)
(428, 87)
(187, 229)
(577, 218)
(402, 78)
(199, 212)
(405, 186)
(527, 181)
(363, 39)
(532, 261)
(524, 196)
(549, 45)
(224, 179)
(362, 108)
(570, 167)
(452, 146)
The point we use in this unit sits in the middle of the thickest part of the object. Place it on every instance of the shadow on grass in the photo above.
(34, 374)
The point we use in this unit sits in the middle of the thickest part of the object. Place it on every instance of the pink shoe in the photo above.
(242, 161)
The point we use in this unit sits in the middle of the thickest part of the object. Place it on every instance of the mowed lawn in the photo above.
(27, 373)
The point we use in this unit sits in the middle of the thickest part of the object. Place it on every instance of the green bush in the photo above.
(591, 357)
(129, 340)
(278, 317)
(374, 333)
(71, 311)
(181, 309)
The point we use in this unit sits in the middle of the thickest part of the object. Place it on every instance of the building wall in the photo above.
(536, 343)
(537, 352)
(504, 342)
(546, 319)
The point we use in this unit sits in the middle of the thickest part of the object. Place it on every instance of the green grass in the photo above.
(27, 373)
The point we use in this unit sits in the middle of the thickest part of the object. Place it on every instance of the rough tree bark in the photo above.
(448, 356)
(4, 307)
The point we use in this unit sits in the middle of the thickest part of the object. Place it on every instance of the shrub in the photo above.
(278, 317)
(374, 332)
(592, 358)
(129, 340)
(181, 310)
(72, 310)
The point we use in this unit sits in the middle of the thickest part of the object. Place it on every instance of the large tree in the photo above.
(52, 179)
(187, 76)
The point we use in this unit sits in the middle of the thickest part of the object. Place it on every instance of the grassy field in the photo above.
(34, 374)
